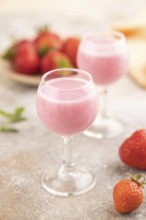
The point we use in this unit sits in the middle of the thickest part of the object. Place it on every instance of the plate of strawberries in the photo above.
(26, 60)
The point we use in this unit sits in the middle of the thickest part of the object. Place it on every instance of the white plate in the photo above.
(6, 70)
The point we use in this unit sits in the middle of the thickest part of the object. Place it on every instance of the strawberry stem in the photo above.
(140, 179)
(42, 29)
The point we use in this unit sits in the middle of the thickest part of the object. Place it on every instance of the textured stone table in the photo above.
(26, 155)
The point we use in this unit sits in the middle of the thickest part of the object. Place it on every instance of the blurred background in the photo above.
(18, 17)
(73, 7)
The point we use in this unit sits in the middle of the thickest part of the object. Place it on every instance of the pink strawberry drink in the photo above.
(106, 57)
(67, 105)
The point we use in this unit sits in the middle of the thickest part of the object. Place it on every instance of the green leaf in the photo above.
(16, 116)
(5, 114)
(8, 129)
(18, 112)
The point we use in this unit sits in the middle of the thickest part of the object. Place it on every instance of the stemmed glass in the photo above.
(105, 56)
(67, 104)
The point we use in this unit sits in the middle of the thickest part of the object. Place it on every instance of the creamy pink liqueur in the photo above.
(105, 59)
(67, 105)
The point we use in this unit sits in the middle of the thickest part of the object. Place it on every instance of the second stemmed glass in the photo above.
(105, 56)
(67, 103)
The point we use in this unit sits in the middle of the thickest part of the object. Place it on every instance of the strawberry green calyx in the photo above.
(44, 50)
(8, 54)
(62, 63)
(140, 179)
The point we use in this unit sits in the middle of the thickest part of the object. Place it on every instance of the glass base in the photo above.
(74, 183)
(104, 128)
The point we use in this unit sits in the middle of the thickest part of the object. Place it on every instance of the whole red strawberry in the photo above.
(46, 41)
(133, 150)
(70, 48)
(128, 194)
(25, 59)
(54, 60)
(15, 47)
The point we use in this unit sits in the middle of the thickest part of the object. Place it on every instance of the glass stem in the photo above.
(103, 102)
(68, 165)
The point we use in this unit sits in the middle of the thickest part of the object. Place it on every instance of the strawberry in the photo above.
(12, 50)
(70, 48)
(133, 150)
(128, 194)
(25, 59)
(53, 60)
(46, 41)
(22, 44)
